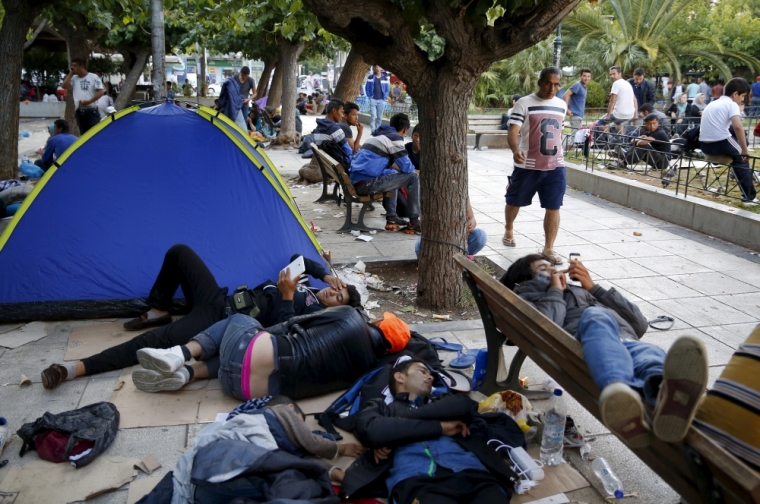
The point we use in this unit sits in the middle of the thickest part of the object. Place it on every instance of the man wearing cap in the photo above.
(59, 141)
(754, 102)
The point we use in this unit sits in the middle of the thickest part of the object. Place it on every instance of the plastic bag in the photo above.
(31, 170)
(512, 403)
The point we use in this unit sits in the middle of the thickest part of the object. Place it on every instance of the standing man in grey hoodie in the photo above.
(609, 327)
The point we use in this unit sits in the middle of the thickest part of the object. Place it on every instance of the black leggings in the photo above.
(448, 487)
(181, 268)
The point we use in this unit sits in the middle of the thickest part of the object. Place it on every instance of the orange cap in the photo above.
(395, 330)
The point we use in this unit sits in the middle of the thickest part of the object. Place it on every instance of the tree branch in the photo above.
(37, 31)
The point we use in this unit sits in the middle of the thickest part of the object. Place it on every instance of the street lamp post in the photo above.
(558, 45)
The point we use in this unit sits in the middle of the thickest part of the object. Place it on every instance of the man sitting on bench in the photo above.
(382, 164)
(609, 327)
(653, 147)
(209, 304)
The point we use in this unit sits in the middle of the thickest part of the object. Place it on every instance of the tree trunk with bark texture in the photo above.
(266, 74)
(275, 90)
(289, 53)
(380, 32)
(202, 80)
(158, 48)
(19, 15)
(134, 62)
(77, 38)
(351, 77)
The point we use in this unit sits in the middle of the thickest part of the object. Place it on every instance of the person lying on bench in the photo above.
(609, 327)
(208, 304)
(424, 450)
(307, 356)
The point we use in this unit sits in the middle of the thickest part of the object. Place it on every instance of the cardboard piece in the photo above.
(23, 335)
(4, 328)
(553, 499)
(139, 488)
(42, 481)
(557, 479)
(148, 464)
(85, 341)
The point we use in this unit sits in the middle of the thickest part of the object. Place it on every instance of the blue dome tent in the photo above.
(89, 240)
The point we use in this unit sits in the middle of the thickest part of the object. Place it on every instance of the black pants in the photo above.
(448, 487)
(730, 147)
(87, 118)
(181, 268)
(43, 165)
(652, 156)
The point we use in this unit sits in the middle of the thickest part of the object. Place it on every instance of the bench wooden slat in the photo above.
(561, 356)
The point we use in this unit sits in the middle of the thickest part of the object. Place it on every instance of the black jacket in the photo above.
(381, 425)
(644, 92)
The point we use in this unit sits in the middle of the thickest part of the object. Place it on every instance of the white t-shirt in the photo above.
(84, 88)
(103, 103)
(541, 123)
(624, 108)
(716, 118)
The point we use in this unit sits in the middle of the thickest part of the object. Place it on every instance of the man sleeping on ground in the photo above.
(271, 303)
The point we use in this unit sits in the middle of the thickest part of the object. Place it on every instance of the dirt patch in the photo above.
(400, 298)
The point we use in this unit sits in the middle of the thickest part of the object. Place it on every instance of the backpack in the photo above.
(335, 151)
(504, 121)
(691, 137)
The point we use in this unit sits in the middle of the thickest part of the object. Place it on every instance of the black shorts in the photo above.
(549, 184)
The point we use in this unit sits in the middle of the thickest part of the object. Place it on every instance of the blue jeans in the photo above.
(611, 360)
(376, 108)
(383, 183)
(754, 107)
(476, 240)
(223, 347)
(245, 110)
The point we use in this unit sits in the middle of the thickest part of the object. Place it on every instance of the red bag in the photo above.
(757, 130)
(51, 446)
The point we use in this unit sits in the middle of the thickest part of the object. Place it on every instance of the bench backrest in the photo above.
(560, 355)
(335, 170)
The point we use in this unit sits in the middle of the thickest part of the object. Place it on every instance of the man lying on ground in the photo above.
(307, 356)
(208, 304)
(609, 327)
(424, 450)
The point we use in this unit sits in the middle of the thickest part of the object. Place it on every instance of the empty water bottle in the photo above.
(603, 471)
(554, 430)
(25, 159)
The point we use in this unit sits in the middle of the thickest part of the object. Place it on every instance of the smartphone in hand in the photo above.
(297, 268)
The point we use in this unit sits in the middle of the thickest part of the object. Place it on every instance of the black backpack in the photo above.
(691, 140)
(335, 151)
(504, 121)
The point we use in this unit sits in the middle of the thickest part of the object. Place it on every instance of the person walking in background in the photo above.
(575, 98)
(87, 89)
(377, 88)
(754, 102)
(691, 91)
(704, 88)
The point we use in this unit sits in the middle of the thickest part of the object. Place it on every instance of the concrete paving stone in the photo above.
(333, 238)
(30, 360)
(192, 432)
(649, 290)
(670, 265)
(653, 310)
(493, 228)
(471, 339)
(718, 353)
(482, 218)
(635, 475)
(714, 283)
(635, 249)
(748, 303)
(723, 262)
(526, 226)
(683, 247)
(521, 242)
(714, 374)
(588, 252)
(165, 443)
(448, 327)
(603, 236)
(564, 239)
(578, 224)
(750, 277)
(655, 234)
(732, 335)
(350, 251)
(512, 254)
(633, 298)
(617, 268)
(396, 247)
(98, 387)
(703, 311)
(621, 222)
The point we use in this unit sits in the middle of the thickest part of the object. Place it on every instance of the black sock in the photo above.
(186, 353)
(190, 370)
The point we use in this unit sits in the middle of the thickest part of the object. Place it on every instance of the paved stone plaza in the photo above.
(708, 286)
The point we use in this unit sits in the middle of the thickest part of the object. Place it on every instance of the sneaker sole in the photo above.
(151, 381)
(149, 361)
(623, 413)
(685, 374)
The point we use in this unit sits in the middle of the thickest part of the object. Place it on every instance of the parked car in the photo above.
(214, 89)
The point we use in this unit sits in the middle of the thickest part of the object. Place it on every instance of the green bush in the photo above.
(596, 95)
(187, 89)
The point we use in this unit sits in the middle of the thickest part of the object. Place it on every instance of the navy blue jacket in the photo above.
(230, 100)
(330, 130)
(385, 83)
(378, 154)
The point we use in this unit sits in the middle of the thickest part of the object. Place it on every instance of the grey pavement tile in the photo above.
(512, 254)
(350, 251)
(703, 311)
(578, 224)
(396, 247)
(723, 262)
(751, 277)
(30, 360)
(718, 353)
(617, 268)
(493, 228)
(732, 335)
(670, 265)
(714, 374)
(526, 226)
(683, 247)
(714, 283)
(521, 242)
(165, 443)
(564, 238)
(621, 222)
(632, 249)
(748, 303)
(655, 290)
(655, 234)
(333, 238)
(603, 236)
(588, 252)
(98, 387)
(654, 310)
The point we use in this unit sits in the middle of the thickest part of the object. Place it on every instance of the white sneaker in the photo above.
(165, 361)
(5, 437)
(623, 413)
(149, 380)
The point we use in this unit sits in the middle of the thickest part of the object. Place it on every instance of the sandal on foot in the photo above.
(553, 258)
(508, 242)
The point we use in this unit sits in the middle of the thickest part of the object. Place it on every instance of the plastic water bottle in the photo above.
(612, 483)
(25, 159)
(554, 430)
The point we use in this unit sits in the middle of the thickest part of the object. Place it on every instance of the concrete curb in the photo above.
(728, 223)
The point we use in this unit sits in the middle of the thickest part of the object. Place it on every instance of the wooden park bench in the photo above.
(335, 171)
(698, 469)
(484, 125)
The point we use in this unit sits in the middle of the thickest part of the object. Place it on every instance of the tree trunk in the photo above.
(275, 90)
(134, 64)
(77, 38)
(19, 15)
(158, 46)
(261, 89)
(443, 139)
(202, 79)
(351, 77)
(289, 54)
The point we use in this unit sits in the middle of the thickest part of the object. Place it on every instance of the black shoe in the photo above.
(143, 322)
(414, 229)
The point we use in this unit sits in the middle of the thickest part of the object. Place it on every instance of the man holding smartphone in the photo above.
(87, 89)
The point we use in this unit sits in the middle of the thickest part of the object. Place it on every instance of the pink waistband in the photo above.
(245, 377)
